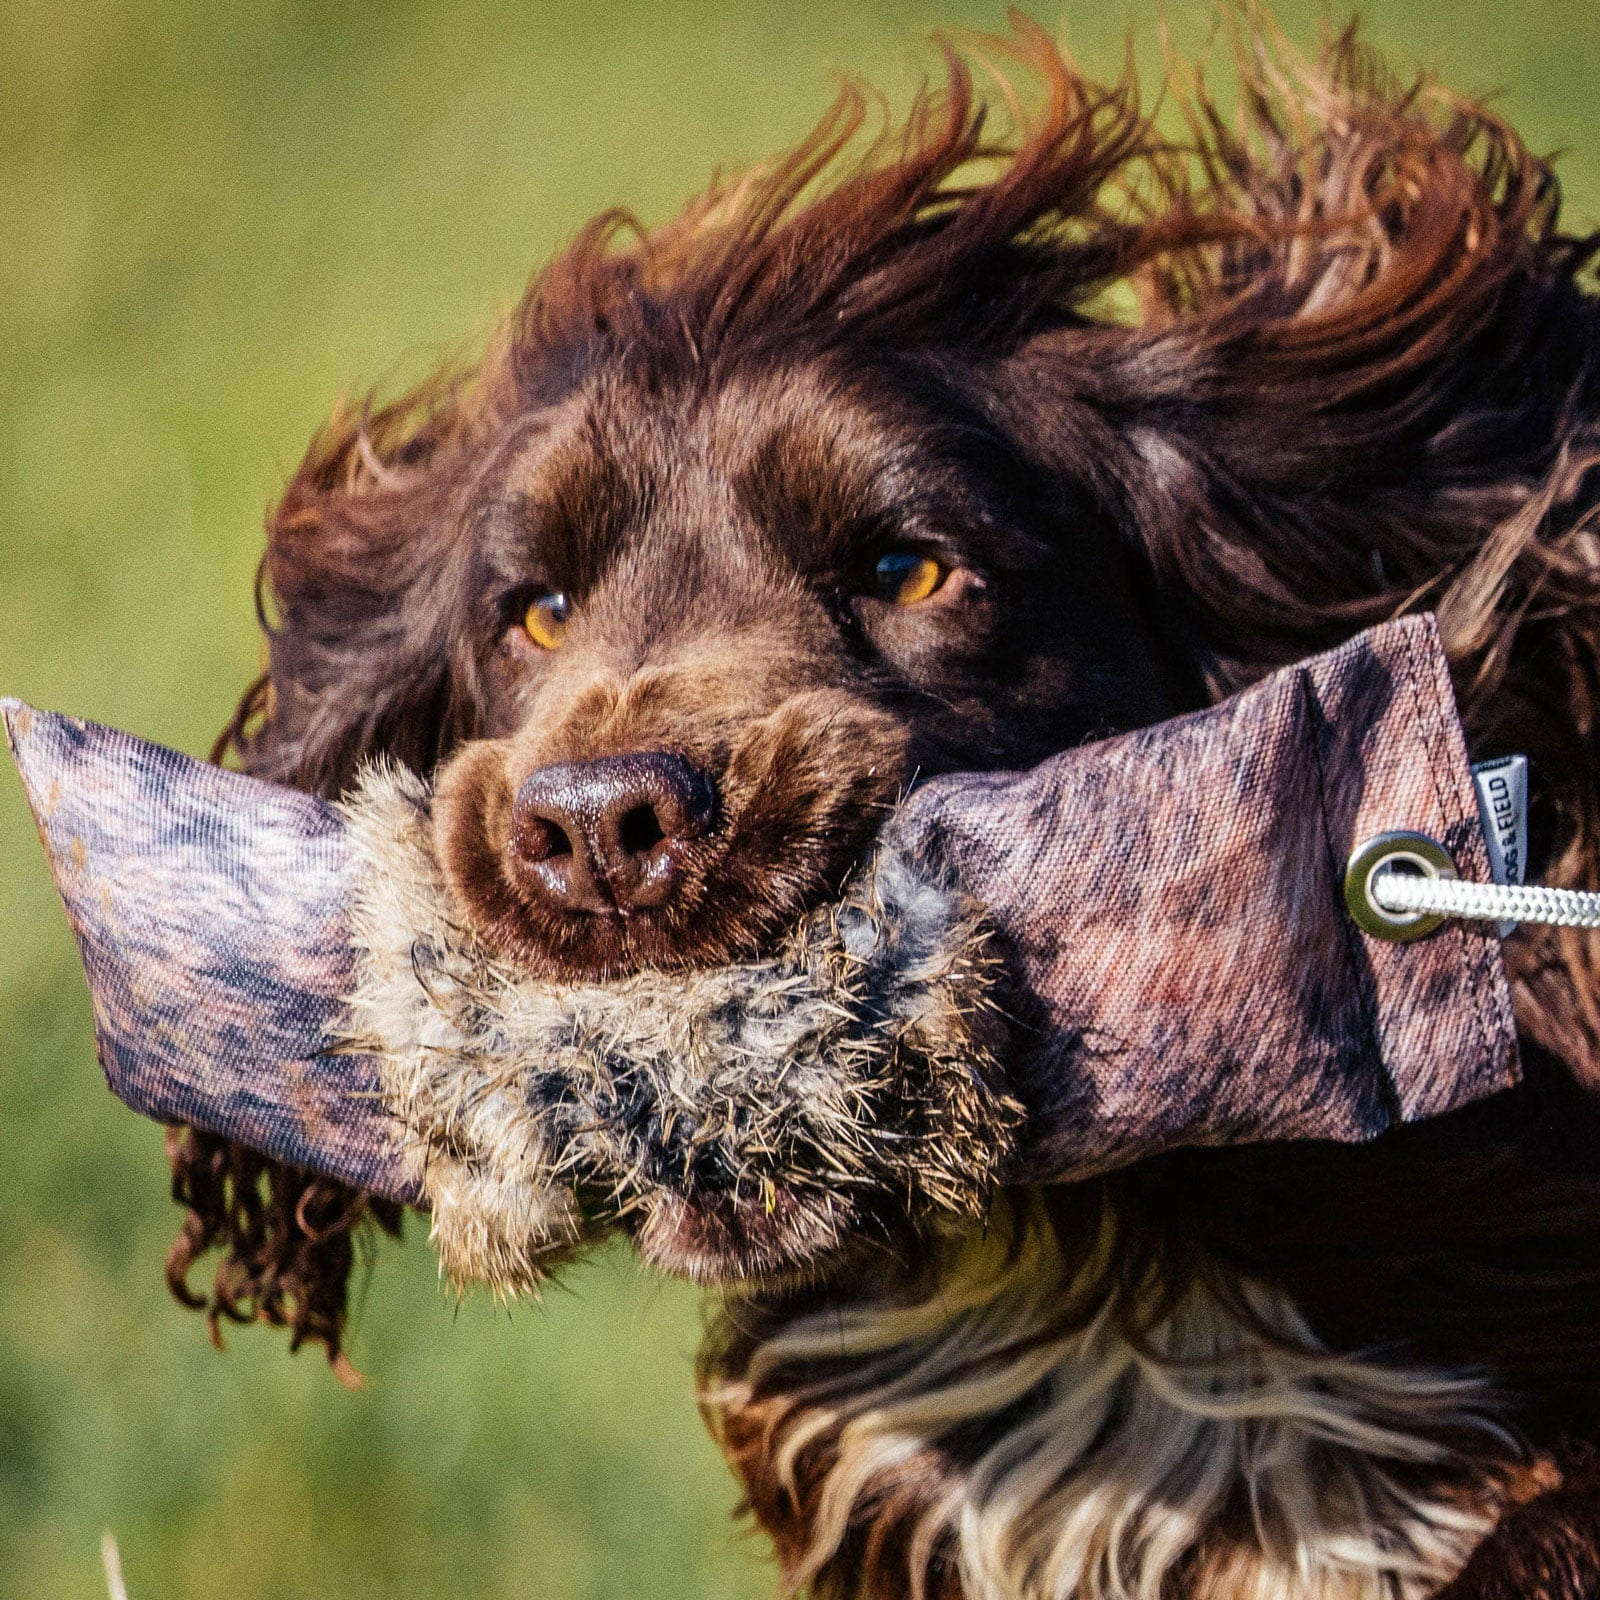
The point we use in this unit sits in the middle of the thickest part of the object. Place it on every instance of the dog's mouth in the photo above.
(751, 1120)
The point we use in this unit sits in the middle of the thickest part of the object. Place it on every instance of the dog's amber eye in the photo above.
(545, 621)
(904, 577)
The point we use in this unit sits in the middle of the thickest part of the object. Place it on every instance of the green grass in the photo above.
(214, 218)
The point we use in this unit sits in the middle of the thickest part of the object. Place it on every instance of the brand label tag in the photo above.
(1502, 786)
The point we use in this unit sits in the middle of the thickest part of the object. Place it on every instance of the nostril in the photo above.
(641, 830)
(537, 838)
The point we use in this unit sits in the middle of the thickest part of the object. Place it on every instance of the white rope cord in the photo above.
(1486, 902)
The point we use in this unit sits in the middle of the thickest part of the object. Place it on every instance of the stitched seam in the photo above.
(1496, 1019)
(1389, 1089)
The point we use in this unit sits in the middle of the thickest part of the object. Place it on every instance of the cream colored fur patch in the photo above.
(1220, 1456)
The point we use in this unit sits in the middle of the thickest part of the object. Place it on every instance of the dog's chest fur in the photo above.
(1012, 1442)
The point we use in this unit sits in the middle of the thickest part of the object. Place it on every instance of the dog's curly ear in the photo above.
(288, 1240)
(358, 569)
(1361, 383)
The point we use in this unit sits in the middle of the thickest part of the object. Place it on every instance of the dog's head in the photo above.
(860, 470)
(720, 608)
(739, 529)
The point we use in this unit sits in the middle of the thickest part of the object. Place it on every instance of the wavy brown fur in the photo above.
(1361, 381)
(287, 1236)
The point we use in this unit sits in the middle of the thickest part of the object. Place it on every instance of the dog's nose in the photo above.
(606, 836)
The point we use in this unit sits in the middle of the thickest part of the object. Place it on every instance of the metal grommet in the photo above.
(1385, 850)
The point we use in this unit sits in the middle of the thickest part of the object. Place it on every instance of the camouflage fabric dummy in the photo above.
(1138, 944)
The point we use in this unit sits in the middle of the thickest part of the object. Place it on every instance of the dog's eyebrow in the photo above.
(566, 525)
(805, 494)
(824, 499)
(824, 502)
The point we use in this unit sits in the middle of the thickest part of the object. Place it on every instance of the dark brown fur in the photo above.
(1361, 381)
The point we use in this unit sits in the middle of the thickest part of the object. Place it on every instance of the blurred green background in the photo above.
(214, 218)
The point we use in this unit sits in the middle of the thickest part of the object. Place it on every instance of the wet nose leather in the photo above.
(605, 836)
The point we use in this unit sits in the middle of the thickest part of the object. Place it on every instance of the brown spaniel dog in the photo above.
(946, 449)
